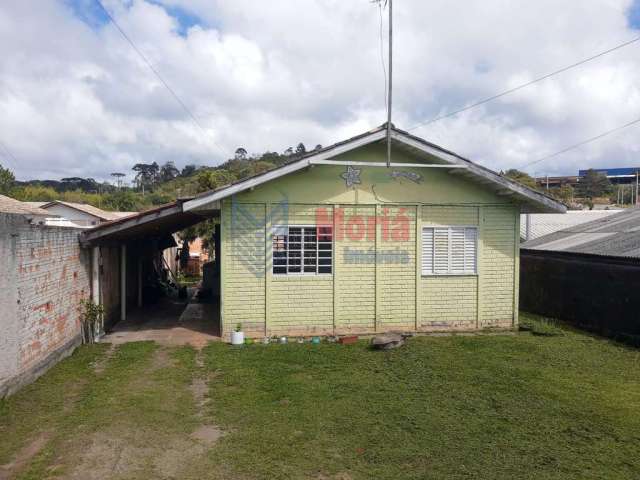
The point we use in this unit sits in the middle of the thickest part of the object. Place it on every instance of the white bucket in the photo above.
(237, 338)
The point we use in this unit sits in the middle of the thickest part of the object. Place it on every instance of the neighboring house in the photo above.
(337, 242)
(198, 256)
(33, 213)
(588, 274)
(81, 214)
(536, 225)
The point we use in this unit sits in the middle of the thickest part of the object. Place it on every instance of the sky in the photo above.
(77, 100)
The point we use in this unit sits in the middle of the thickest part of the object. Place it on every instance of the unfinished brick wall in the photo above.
(47, 275)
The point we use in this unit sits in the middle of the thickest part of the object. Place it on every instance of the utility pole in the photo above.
(390, 93)
(637, 187)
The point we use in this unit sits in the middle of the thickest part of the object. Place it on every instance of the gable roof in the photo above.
(532, 201)
(90, 209)
(617, 235)
(11, 205)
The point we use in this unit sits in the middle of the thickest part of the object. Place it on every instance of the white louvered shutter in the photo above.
(427, 251)
(456, 258)
(470, 250)
(441, 251)
(449, 250)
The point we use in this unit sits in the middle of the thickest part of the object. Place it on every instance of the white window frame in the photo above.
(274, 231)
(449, 272)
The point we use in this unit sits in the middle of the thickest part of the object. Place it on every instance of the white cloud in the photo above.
(76, 99)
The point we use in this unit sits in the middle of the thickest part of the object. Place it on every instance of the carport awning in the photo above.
(156, 223)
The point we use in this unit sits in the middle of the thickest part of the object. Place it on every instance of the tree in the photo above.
(168, 171)
(188, 170)
(318, 147)
(213, 179)
(146, 174)
(241, 154)
(301, 149)
(122, 200)
(521, 177)
(565, 193)
(118, 176)
(593, 184)
(7, 180)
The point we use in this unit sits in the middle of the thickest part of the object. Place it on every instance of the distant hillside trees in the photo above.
(168, 172)
(521, 177)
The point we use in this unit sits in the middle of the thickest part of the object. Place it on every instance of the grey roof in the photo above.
(616, 235)
(541, 224)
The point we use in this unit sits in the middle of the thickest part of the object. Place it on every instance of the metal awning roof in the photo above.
(156, 223)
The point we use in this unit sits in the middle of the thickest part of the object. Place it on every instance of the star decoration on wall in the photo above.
(351, 176)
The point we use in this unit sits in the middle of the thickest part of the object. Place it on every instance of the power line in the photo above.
(580, 144)
(519, 87)
(8, 155)
(151, 67)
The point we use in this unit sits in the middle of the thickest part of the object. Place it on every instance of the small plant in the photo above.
(91, 315)
(237, 336)
(543, 327)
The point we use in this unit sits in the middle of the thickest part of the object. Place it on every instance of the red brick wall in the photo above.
(47, 276)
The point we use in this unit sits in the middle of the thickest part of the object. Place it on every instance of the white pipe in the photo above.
(95, 275)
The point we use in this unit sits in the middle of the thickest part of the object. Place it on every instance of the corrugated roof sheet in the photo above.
(545, 223)
(616, 235)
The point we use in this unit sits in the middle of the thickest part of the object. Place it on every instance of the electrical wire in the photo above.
(580, 144)
(524, 85)
(152, 68)
(9, 156)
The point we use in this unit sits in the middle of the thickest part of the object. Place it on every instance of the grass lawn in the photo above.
(536, 405)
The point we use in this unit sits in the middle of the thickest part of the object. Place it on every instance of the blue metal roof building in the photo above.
(613, 172)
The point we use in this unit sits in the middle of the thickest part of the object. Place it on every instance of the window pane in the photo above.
(302, 250)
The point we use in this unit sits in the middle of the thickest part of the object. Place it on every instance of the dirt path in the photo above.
(121, 451)
(24, 456)
(207, 434)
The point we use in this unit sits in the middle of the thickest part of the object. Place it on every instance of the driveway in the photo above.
(170, 322)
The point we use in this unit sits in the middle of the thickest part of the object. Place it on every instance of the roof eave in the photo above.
(530, 200)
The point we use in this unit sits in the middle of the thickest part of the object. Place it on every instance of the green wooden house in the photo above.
(340, 242)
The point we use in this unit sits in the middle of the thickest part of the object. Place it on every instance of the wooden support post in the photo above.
(95, 286)
(139, 281)
(123, 282)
